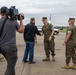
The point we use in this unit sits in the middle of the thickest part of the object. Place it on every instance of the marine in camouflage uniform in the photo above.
(49, 45)
(70, 47)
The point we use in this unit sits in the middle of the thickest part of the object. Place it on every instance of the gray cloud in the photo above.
(61, 10)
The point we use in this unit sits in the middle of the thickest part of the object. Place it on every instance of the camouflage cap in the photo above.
(71, 19)
(43, 18)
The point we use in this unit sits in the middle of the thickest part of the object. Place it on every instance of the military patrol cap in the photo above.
(71, 19)
(43, 18)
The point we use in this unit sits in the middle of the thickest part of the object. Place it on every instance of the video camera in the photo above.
(13, 13)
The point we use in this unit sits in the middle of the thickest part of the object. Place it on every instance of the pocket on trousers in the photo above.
(8, 48)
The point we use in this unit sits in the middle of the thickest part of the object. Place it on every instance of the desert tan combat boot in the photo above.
(66, 66)
(1, 58)
(53, 58)
(73, 67)
(46, 59)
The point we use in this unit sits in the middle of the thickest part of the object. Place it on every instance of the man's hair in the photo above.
(32, 19)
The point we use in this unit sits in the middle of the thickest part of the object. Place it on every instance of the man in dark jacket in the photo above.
(29, 37)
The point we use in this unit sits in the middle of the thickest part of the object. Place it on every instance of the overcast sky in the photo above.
(60, 10)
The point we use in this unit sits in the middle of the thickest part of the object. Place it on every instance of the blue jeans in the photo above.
(29, 50)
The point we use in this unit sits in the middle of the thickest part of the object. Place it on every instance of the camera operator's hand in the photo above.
(21, 29)
(21, 14)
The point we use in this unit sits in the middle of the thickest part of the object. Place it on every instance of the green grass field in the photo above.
(64, 30)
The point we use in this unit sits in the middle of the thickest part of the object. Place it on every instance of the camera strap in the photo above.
(2, 28)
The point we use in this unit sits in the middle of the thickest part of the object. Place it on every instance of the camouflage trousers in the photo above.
(70, 53)
(49, 46)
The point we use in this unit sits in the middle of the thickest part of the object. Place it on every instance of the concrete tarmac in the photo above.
(40, 68)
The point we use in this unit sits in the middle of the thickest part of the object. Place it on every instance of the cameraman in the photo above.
(8, 40)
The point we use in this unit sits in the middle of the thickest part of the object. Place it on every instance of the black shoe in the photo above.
(32, 62)
(25, 61)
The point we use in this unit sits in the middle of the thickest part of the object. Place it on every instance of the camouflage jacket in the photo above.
(73, 37)
(47, 30)
(70, 41)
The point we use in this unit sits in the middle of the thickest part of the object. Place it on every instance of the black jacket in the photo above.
(30, 31)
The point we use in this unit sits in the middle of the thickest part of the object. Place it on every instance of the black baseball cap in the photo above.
(3, 9)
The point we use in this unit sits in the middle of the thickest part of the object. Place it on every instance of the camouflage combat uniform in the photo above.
(70, 47)
(48, 45)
